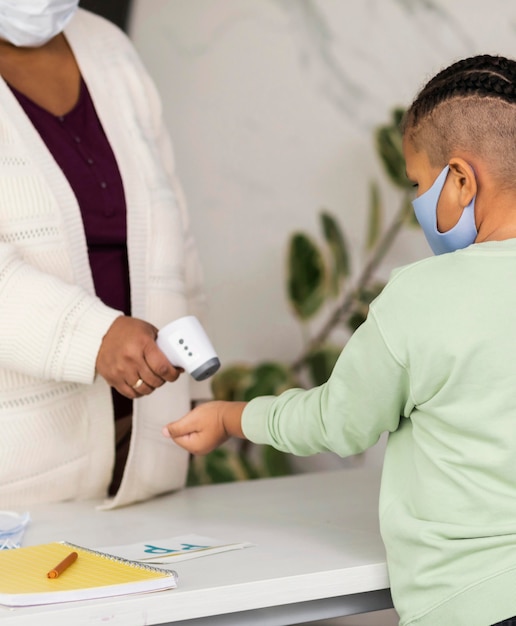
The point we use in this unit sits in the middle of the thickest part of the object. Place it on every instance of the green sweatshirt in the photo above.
(435, 366)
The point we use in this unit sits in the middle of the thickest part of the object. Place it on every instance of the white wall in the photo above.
(271, 106)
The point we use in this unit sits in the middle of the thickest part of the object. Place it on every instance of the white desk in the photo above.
(317, 553)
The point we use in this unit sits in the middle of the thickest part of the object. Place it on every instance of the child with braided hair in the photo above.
(433, 365)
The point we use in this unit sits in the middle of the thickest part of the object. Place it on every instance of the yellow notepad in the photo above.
(24, 580)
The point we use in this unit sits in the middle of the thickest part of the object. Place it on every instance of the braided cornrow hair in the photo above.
(470, 105)
(483, 76)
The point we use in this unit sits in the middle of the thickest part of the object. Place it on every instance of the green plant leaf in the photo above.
(337, 244)
(218, 467)
(232, 382)
(245, 457)
(270, 379)
(397, 116)
(361, 301)
(225, 464)
(194, 477)
(275, 462)
(356, 319)
(320, 363)
(388, 141)
(306, 282)
(375, 215)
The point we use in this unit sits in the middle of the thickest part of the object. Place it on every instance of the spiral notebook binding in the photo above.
(119, 559)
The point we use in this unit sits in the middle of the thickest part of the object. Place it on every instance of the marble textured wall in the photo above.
(271, 106)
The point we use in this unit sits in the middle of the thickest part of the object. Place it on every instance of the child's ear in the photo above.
(464, 180)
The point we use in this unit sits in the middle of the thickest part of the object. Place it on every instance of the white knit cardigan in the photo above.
(56, 415)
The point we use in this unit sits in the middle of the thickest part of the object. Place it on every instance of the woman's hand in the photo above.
(130, 360)
(207, 426)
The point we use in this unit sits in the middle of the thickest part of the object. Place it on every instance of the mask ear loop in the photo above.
(463, 234)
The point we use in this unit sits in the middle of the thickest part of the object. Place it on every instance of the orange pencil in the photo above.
(60, 567)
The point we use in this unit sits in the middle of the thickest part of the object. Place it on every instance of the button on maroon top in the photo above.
(81, 149)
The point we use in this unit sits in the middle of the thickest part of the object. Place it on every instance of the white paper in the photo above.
(173, 549)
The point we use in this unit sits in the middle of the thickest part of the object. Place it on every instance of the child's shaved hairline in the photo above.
(469, 107)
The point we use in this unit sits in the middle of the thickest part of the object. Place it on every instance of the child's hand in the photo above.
(208, 426)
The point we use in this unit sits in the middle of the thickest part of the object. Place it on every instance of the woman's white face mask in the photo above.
(32, 23)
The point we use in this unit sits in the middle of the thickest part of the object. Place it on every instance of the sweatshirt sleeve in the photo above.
(366, 394)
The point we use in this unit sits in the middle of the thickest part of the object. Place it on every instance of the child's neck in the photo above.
(500, 233)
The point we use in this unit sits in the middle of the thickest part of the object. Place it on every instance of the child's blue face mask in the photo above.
(461, 235)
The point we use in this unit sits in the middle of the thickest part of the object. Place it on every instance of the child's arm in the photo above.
(207, 426)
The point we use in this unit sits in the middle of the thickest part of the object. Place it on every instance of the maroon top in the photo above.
(81, 149)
